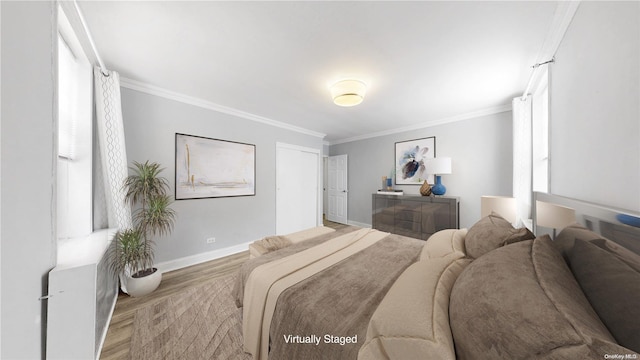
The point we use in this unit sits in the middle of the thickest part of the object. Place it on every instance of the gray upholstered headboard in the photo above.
(600, 219)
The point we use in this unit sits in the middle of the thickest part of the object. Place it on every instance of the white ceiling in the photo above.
(425, 62)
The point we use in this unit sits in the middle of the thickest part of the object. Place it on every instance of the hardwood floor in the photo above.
(334, 225)
(118, 340)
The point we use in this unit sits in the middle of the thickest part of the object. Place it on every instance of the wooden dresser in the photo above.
(413, 215)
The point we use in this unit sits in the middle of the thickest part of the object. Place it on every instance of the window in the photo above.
(540, 134)
(522, 159)
(75, 145)
(67, 95)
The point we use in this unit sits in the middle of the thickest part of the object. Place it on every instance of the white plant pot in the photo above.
(137, 287)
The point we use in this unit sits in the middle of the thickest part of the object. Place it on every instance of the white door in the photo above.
(338, 189)
(298, 195)
(325, 183)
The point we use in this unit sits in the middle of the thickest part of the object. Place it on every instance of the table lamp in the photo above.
(437, 167)
(554, 216)
(504, 206)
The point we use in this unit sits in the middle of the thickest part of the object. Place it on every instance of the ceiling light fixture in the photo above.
(348, 92)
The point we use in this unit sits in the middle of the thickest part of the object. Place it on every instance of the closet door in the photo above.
(298, 191)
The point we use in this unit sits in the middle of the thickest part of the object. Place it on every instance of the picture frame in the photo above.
(213, 168)
(410, 156)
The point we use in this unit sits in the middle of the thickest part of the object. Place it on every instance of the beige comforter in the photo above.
(316, 303)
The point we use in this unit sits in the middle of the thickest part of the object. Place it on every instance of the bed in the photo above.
(491, 291)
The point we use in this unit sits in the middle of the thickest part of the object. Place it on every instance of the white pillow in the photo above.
(449, 242)
(412, 321)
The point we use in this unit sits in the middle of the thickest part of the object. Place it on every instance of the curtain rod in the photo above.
(103, 68)
(533, 76)
(535, 66)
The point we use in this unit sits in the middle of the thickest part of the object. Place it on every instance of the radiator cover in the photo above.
(82, 295)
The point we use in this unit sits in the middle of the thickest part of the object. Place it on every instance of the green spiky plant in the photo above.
(130, 251)
(133, 248)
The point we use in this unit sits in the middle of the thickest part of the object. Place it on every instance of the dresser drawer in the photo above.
(385, 227)
(383, 218)
(408, 225)
(407, 215)
(414, 216)
(408, 233)
(425, 235)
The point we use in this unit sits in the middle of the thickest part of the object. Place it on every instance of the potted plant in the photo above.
(131, 255)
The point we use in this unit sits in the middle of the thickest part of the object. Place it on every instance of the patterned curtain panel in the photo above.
(100, 217)
(112, 152)
(522, 159)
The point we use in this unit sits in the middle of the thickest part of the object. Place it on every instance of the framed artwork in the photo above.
(410, 158)
(210, 168)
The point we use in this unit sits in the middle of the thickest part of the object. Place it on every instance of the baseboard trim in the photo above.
(217, 254)
(356, 223)
(200, 258)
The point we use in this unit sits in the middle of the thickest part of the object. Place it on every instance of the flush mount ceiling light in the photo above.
(348, 92)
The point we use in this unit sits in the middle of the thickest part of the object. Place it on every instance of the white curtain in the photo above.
(522, 159)
(111, 162)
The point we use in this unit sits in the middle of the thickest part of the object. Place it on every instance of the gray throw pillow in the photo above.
(613, 289)
(627, 256)
(521, 301)
(565, 239)
(492, 232)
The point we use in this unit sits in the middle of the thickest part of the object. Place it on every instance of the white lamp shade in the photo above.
(502, 205)
(439, 165)
(554, 216)
(348, 92)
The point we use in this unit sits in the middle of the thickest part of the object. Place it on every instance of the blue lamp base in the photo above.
(438, 188)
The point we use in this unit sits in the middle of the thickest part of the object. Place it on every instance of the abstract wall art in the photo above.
(410, 161)
(209, 168)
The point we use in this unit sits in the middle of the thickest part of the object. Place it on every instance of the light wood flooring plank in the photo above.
(118, 340)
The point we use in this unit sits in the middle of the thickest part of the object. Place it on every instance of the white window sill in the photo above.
(84, 250)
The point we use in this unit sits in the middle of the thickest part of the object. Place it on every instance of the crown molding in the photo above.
(466, 116)
(172, 95)
(186, 99)
(562, 18)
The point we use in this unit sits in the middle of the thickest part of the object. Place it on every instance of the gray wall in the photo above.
(595, 151)
(595, 107)
(27, 223)
(481, 152)
(325, 149)
(150, 125)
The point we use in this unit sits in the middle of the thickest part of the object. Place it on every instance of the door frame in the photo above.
(325, 183)
(318, 153)
(345, 190)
